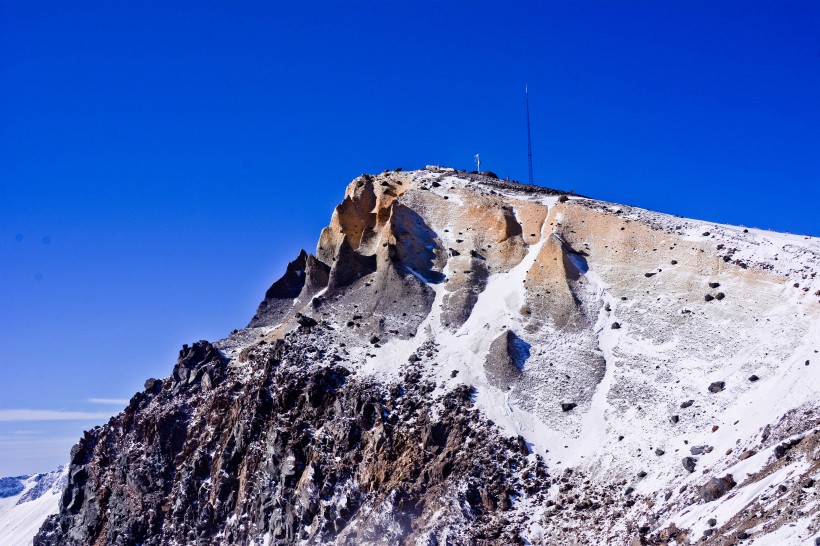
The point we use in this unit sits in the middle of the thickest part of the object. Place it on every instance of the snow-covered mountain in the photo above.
(25, 502)
(467, 360)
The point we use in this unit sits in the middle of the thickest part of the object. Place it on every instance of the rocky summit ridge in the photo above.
(467, 360)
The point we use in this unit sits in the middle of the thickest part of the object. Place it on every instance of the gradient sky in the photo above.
(160, 162)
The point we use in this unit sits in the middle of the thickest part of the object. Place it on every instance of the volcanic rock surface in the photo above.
(446, 370)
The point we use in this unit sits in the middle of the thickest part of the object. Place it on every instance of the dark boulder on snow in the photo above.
(717, 386)
(689, 464)
(781, 450)
(716, 488)
(567, 406)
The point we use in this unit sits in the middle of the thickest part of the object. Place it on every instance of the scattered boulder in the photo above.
(717, 386)
(689, 464)
(374, 339)
(153, 385)
(675, 419)
(305, 321)
(781, 450)
(687, 403)
(647, 275)
(716, 488)
(563, 199)
(697, 450)
(753, 378)
(746, 454)
(659, 452)
(711, 522)
(719, 296)
(616, 325)
(523, 448)
(708, 297)
(714, 284)
(566, 406)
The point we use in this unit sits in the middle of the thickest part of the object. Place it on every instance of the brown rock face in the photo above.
(300, 454)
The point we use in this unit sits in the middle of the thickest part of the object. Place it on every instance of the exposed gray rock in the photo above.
(505, 359)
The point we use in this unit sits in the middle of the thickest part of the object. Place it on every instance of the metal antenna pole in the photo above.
(478, 162)
(529, 138)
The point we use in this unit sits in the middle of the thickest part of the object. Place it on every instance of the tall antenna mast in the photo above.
(529, 138)
(478, 162)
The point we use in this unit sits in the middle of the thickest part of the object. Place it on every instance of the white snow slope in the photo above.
(25, 502)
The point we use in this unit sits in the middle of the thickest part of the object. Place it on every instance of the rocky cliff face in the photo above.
(472, 361)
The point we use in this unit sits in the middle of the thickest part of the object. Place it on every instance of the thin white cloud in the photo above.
(18, 415)
(109, 401)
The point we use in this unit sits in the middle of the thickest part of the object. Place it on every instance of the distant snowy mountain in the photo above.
(467, 360)
(25, 502)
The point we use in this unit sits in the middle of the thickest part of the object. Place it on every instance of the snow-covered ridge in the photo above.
(25, 502)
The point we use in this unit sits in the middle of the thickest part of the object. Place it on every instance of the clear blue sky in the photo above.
(160, 162)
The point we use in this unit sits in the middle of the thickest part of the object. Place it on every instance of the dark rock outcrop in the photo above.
(304, 277)
(173, 469)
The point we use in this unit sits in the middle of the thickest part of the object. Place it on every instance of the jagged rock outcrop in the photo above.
(447, 370)
(304, 277)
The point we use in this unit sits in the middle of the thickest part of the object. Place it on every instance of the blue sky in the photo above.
(160, 162)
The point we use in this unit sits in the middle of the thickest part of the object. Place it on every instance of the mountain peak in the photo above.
(471, 360)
